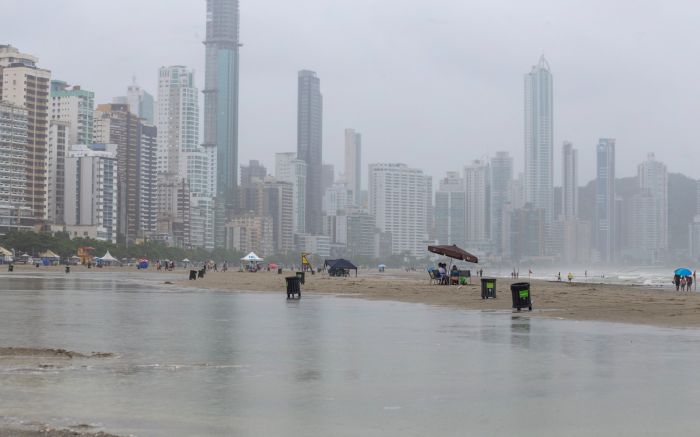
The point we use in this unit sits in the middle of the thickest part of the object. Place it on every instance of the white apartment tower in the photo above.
(449, 210)
(400, 200)
(539, 146)
(653, 181)
(569, 174)
(91, 189)
(353, 163)
(180, 155)
(476, 180)
(74, 106)
(292, 170)
(501, 184)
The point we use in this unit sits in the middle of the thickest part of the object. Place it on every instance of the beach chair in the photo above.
(435, 278)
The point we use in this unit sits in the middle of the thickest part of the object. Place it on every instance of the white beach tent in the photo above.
(108, 258)
(251, 257)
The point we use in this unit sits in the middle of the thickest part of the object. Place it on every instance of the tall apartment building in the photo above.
(14, 183)
(24, 84)
(254, 170)
(278, 204)
(353, 164)
(310, 146)
(182, 158)
(290, 169)
(92, 189)
(399, 200)
(569, 175)
(74, 106)
(337, 199)
(649, 239)
(221, 104)
(694, 228)
(136, 147)
(539, 145)
(361, 234)
(57, 147)
(605, 217)
(477, 188)
(250, 233)
(450, 209)
(140, 102)
(501, 183)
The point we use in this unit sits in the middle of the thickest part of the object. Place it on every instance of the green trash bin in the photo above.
(521, 295)
(302, 277)
(488, 288)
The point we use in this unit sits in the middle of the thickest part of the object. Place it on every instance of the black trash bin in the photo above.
(293, 286)
(200, 273)
(10, 268)
(521, 295)
(193, 275)
(302, 277)
(488, 288)
(67, 269)
(279, 270)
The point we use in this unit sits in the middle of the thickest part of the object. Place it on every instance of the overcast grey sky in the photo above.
(432, 84)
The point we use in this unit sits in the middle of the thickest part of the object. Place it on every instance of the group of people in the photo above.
(684, 283)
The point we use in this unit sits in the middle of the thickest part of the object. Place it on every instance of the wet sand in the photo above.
(49, 432)
(575, 301)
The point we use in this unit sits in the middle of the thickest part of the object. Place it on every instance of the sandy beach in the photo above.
(575, 301)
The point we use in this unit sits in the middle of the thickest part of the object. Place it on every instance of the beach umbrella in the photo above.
(683, 271)
(453, 252)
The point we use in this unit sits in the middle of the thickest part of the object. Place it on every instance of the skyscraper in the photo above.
(399, 200)
(56, 151)
(450, 225)
(24, 84)
(605, 218)
(254, 170)
(353, 163)
(501, 184)
(569, 175)
(539, 146)
(476, 179)
(653, 183)
(309, 145)
(221, 103)
(140, 102)
(290, 169)
(136, 169)
(15, 213)
(75, 106)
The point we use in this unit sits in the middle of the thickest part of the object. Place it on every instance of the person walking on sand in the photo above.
(689, 283)
(570, 276)
(677, 281)
(559, 277)
(683, 282)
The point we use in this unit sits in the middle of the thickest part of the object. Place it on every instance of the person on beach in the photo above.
(677, 281)
(689, 283)
(442, 271)
(683, 282)
(559, 277)
(570, 276)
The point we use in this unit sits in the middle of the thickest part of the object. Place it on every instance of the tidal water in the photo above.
(193, 362)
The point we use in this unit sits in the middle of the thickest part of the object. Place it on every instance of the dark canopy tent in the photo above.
(453, 252)
(336, 266)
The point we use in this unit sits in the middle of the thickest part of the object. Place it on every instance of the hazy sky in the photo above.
(432, 84)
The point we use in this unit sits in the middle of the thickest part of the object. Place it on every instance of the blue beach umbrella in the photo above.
(683, 272)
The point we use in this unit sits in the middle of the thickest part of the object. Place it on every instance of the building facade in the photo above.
(501, 182)
(539, 146)
(24, 84)
(14, 182)
(569, 174)
(91, 189)
(74, 106)
(450, 209)
(399, 200)
(310, 146)
(477, 189)
(57, 147)
(605, 217)
(290, 169)
(353, 164)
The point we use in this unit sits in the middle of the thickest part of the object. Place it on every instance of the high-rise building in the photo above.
(290, 169)
(361, 232)
(569, 174)
(181, 157)
(75, 106)
(399, 200)
(539, 146)
(278, 203)
(13, 158)
(527, 233)
(337, 199)
(651, 211)
(327, 177)
(477, 189)
(56, 150)
(605, 218)
(92, 189)
(24, 84)
(250, 233)
(450, 224)
(310, 146)
(251, 172)
(221, 104)
(136, 151)
(353, 163)
(140, 102)
(500, 189)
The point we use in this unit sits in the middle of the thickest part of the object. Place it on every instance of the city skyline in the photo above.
(588, 103)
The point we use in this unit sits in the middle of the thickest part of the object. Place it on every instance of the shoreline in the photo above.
(582, 301)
